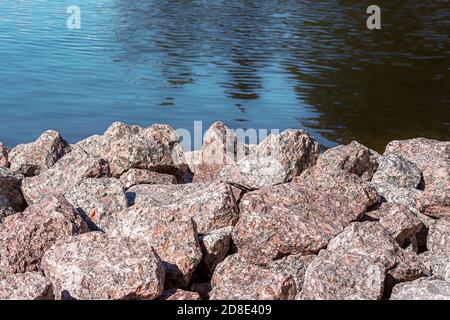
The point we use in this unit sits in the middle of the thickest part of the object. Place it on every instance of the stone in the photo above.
(422, 289)
(24, 237)
(93, 266)
(343, 277)
(299, 218)
(434, 203)
(220, 148)
(396, 171)
(254, 173)
(178, 294)
(432, 157)
(294, 265)
(438, 241)
(174, 240)
(295, 149)
(235, 279)
(11, 198)
(215, 247)
(33, 158)
(401, 222)
(69, 171)
(193, 159)
(391, 194)
(92, 145)
(438, 265)
(25, 286)
(211, 205)
(4, 156)
(353, 158)
(97, 198)
(141, 176)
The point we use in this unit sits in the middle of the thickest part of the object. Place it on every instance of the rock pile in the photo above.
(129, 215)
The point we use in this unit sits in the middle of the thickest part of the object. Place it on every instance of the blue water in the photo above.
(252, 64)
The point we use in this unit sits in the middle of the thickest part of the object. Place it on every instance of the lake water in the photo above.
(252, 64)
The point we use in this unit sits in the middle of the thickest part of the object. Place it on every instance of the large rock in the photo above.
(24, 237)
(98, 198)
(11, 198)
(438, 265)
(93, 266)
(295, 149)
(422, 289)
(235, 279)
(69, 171)
(254, 173)
(434, 203)
(392, 194)
(299, 218)
(4, 156)
(211, 205)
(398, 172)
(193, 159)
(141, 176)
(220, 148)
(33, 158)
(25, 286)
(438, 241)
(174, 240)
(432, 157)
(353, 158)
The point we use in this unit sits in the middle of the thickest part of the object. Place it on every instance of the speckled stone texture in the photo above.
(11, 198)
(398, 172)
(94, 267)
(25, 286)
(4, 151)
(422, 289)
(141, 176)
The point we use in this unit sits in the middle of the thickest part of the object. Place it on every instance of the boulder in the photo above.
(141, 176)
(93, 266)
(432, 157)
(299, 218)
(4, 156)
(98, 198)
(434, 203)
(178, 294)
(92, 146)
(24, 237)
(193, 159)
(295, 149)
(252, 173)
(353, 158)
(398, 172)
(69, 171)
(211, 205)
(235, 279)
(220, 148)
(33, 158)
(25, 286)
(438, 241)
(422, 289)
(11, 198)
(404, 196)
(173, 239)
(438, 265)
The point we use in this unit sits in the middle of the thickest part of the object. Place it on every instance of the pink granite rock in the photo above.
(4, 156)
(438, 241)
(396, 171)
(422, 289)
(141, 176)
(25, 286)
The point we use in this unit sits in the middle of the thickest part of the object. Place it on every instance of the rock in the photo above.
(174, 240)
(422, 289)
(215, 246)
(235, 279)
(295, 149)
(295, 266)
(398, 172)
(4, 156)
(220, 148)
(438, 241)
(211, 205)
(193, 159)
(93, 266)
(25, 286)
(11, 198)
(24, 237)
(254, 173)
(432, 157)
(69, 171)
(299, 218)
(203, 289)
(343, 277)
(92, 145)
(434, 203)
(178, 294)
(391, 194)
(438, 265)
(353, 158)
(33, 158)
(401, 222)
(141, 176)
(97, 198)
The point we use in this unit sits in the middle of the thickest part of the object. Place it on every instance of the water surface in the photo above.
(252, 64)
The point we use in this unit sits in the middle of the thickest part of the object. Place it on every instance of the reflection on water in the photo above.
(254, 64)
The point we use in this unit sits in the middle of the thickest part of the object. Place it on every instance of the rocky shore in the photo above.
(130, 215)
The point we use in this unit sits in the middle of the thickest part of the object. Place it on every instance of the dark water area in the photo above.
(252, 64)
